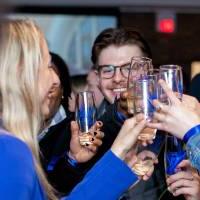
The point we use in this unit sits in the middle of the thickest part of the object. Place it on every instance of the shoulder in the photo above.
(17, 169)
(14, 151)
(8, 141)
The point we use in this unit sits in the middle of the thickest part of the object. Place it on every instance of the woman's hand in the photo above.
(176, 118)
(83, 153)
(185, 182)
(127, 137)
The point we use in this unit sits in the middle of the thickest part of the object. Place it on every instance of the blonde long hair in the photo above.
(20, 59)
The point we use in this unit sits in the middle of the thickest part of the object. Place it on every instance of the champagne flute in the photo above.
(174, 152)
(85, 115)
(172, 75)
(145, 91)
(140, 66)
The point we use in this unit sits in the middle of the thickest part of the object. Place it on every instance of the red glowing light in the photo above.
(166, 25)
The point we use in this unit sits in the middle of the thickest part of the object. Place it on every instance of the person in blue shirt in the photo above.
(25, 81)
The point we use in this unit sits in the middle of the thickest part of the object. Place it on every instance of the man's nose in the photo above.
(117, 76)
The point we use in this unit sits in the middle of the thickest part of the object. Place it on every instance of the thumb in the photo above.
(74, 129)
(184, 164)
(139, 127)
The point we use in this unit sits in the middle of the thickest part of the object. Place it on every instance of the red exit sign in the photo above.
(166, 26)
(166, 22)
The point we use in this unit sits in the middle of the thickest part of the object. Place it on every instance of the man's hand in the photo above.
(124, 106)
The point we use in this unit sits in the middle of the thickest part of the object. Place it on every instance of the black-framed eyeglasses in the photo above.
(108, 71)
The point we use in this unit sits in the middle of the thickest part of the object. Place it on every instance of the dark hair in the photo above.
(79, 82)
(119, 37)
(64, 78)
(194, 87)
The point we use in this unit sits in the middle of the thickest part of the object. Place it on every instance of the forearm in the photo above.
(64, 176)
(193, 148)
(108, 179)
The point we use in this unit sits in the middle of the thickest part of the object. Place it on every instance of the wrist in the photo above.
(70, 155)
(191, 132)
(119, 152)
(71, 160)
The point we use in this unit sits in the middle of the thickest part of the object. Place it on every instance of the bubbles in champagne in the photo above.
(147, 134)
(130, 103)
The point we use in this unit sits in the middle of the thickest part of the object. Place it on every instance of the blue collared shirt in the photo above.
(58, 117)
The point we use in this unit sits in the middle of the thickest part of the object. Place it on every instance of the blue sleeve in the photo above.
(16, 169)
(107, 180)
(193, 150)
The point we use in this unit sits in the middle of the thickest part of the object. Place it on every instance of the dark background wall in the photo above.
(181, 47)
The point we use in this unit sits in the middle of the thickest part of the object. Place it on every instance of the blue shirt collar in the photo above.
(58, 117)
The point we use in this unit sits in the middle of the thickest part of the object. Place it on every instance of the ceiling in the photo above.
(152, 3)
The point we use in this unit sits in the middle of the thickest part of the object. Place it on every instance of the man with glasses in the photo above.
(111, 56)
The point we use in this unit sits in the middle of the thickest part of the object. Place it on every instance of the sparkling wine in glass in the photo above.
(145, 91)
(140, 66)
(172, 75)
(143, 163)
(85, 115)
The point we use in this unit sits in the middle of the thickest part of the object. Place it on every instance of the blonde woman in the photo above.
(26, 77)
